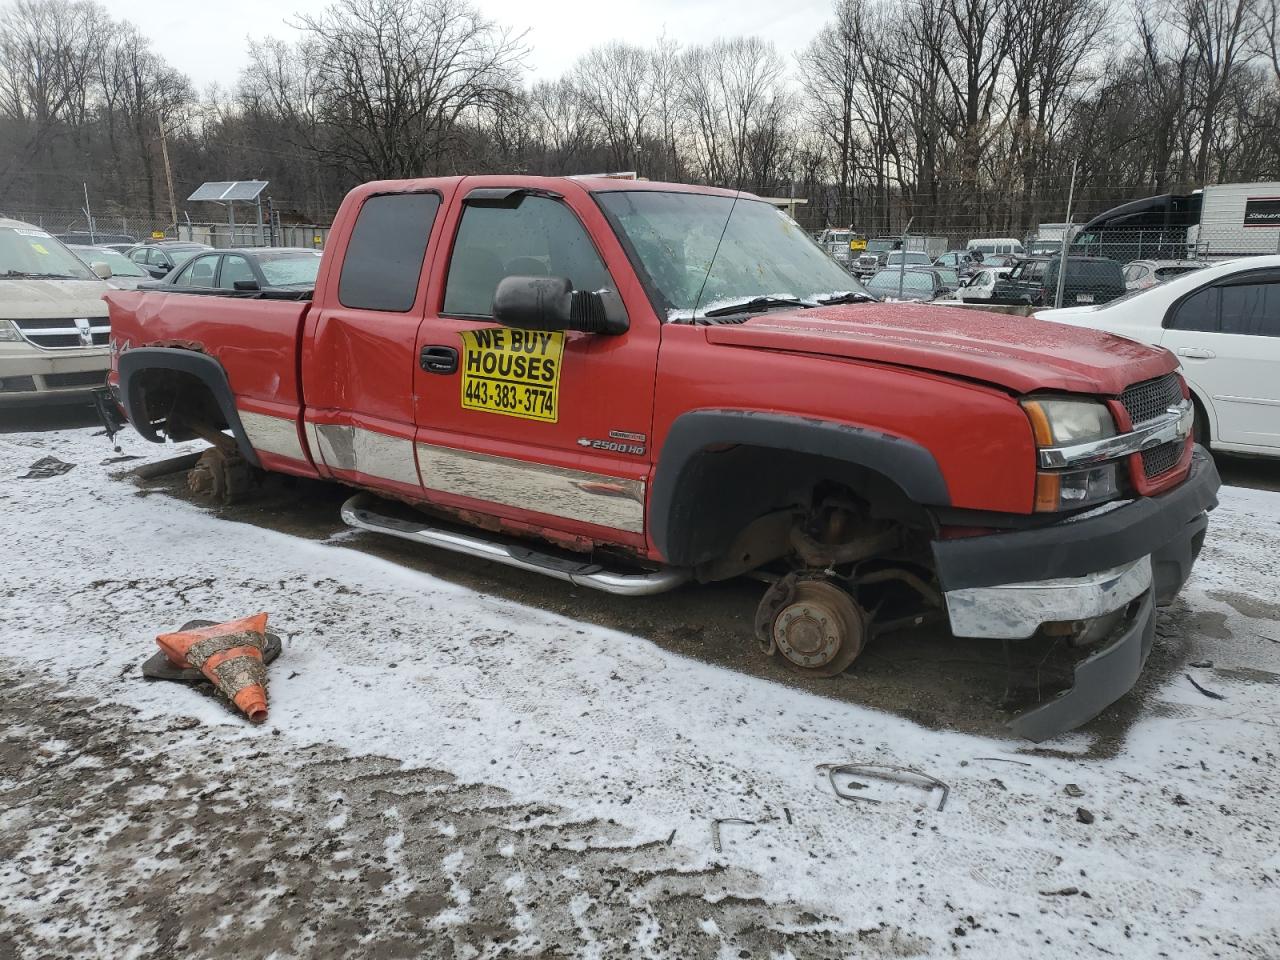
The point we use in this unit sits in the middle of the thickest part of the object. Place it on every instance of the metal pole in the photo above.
(262, 237)
(902, 257)
(1066, 235)
(88, 214)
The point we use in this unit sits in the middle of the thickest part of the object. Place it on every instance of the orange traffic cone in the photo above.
(230, 655)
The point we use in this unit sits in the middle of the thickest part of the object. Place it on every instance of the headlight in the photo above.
(8, 331)
(1059, 423)
(1072, 489)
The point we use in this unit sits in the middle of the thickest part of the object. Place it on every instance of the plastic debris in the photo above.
(47, 467)
(230, 656)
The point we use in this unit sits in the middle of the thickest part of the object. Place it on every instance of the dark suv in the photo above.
(1034, 281)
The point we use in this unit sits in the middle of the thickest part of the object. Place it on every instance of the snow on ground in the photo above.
(1180, 860)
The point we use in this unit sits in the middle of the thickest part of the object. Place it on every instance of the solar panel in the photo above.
(225, 191)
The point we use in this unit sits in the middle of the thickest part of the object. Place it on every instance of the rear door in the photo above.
(359, 353)
(1227, 337)
(548, 430)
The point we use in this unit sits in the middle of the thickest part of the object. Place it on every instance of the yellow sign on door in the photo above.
(515, 373)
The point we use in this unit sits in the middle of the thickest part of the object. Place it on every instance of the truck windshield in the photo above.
(30, 254)
(704, 252)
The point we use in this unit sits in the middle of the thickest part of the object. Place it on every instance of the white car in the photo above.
(1223, 322)
(980, 287)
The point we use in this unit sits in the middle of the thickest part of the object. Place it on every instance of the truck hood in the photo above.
(40, 299)
(1016, 353)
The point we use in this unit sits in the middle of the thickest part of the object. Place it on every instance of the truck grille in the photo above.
(60, 334)
(1147, 400)
(1161, 459)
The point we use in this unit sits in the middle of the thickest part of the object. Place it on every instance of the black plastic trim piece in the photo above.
(1075, 548)
(202, 366)
(906, 463)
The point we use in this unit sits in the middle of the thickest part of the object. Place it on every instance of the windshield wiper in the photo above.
(755, 305)
(849, 296)
(25, 275)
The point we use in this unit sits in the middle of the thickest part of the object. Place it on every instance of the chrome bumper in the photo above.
(1015, 611)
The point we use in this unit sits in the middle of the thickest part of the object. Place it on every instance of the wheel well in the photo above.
(1205, 432)
(176, 400)
(760, 493)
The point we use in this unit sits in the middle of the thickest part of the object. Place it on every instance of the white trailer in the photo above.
(1237, 219)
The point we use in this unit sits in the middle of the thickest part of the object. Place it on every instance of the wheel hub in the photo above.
(820, 629)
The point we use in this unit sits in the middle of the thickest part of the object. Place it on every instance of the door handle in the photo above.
(1196, 353)
(439, 359)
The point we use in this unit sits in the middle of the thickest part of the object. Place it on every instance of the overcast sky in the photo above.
(207, 41)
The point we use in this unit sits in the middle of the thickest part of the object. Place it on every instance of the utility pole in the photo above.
(168, 174)
(1066, 235)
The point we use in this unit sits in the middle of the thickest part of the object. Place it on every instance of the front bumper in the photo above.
(30, 374)
(1111, 570)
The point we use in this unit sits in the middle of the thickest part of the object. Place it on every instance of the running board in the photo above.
(356, 513)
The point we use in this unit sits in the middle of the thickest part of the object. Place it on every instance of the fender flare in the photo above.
(199, 365)
(904, 462)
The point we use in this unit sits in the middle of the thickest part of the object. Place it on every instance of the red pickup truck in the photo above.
(630, 385)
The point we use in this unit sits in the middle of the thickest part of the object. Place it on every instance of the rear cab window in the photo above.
(383, 260)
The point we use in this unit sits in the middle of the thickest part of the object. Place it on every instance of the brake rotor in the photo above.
(820, 630)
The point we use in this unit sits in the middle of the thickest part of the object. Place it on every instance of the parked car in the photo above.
(96, 239)
(269, 271)
(995, 259)
(1140, 274)
(1005, 245)
(963, 262)
(911, 258)
(949, 278)
(980, 287)
(121, 273)
(1034, 281)
(53, 322)
(532, 357)
(1223, 323)
(158, 257)
(880, 249)
(912, 283)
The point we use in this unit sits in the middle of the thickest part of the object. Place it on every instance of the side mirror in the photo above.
(158, 272)
(551, 303)
(101, 269)
(246, 286)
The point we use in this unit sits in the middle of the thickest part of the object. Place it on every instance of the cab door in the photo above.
(1227, 338)
(359, 356)
(549, 431)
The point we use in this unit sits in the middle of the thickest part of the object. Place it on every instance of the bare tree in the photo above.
(396, 79)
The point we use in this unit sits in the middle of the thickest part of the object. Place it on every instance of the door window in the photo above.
(1252, 309)
(1197, 312)
(536, 236)
(384, 257)
(198, 273)
(234, 267)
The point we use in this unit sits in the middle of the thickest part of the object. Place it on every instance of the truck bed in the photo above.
(255, 339)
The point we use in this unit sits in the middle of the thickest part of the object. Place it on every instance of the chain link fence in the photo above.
(75, 227)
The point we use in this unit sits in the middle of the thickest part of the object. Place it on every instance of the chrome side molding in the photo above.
(357, 512)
